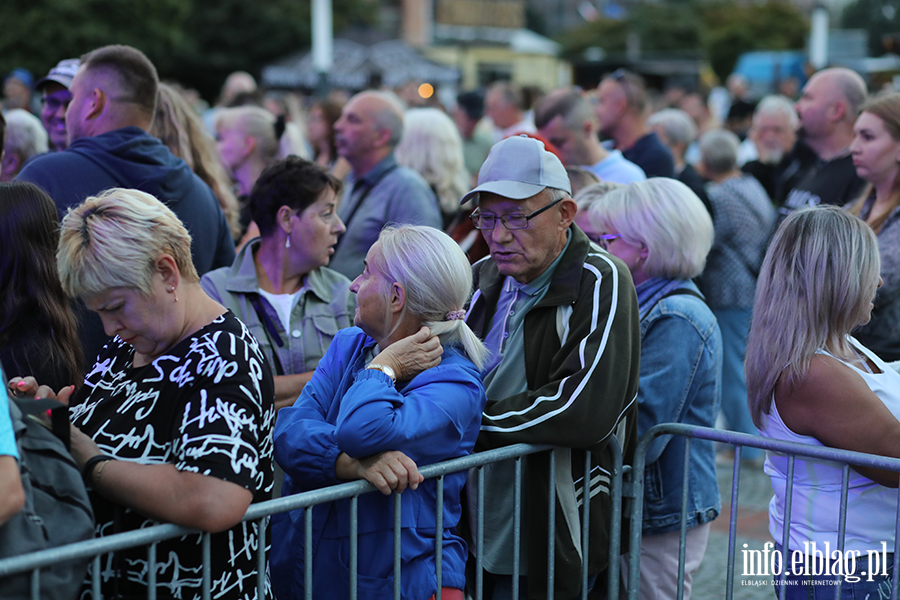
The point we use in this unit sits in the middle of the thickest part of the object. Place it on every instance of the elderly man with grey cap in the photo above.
(560, 317)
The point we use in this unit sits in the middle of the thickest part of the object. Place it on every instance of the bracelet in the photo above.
(88, 470)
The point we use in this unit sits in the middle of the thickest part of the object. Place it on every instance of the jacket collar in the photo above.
(242, 275)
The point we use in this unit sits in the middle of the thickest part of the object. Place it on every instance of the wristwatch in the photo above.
(384, 369)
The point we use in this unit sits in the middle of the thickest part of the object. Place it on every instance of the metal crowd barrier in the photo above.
(95, 549)
(738, 440)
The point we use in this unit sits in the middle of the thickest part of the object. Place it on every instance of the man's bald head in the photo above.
(386, 111)
(847, 85)
(370, 126)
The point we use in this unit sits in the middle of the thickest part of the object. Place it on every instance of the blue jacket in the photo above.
(347, 408)
(132, 158)
(682, 387)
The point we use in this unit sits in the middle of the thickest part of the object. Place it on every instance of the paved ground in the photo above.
(752, 529)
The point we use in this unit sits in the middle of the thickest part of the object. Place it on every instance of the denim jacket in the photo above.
(678, 386)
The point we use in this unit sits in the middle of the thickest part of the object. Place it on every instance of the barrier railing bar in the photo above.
(397, 546)
(732, 522)
(682, 539)
(479, 539)
(439, 538)
(585, 522)
(551, 529)
(95, 577)
(36, 584)
(151, 571)
(307, 554)
(261, 557)
(615, 530)
(788, 504)
(156, 533)
(207, 568)
(896, 573)
(842, 524)
(517, 526)
(354, 546)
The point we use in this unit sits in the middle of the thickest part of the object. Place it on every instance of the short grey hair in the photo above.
(777, 104)
(719, 150)
(389, 116)
(113, 240)
(677, 125)
(665, 216)
(25, 135)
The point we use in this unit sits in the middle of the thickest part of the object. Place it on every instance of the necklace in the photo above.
(862, 359)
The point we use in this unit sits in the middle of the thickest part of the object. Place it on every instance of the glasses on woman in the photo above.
(603, 239)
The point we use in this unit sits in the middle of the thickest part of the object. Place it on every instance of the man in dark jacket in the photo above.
(560, 318)
(112, 107)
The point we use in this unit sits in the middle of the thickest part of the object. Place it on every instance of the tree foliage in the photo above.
(880, 17)
(719, 30)
(197, 42)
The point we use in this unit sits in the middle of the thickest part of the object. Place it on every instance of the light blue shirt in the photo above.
(617, 168)
(7, 435)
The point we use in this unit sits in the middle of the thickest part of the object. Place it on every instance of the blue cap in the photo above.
(519, 167)
(22, 75)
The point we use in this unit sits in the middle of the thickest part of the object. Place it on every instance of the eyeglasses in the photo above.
(604, 239)
(54, 104)
(481, 221)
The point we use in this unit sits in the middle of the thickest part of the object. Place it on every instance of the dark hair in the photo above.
(2, 131)
(561, 104)
(472, 103)
(331, 112)
(32, 293)
(292, 182)
(133, 71)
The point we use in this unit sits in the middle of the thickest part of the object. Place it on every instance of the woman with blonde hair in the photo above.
(183, 381)
(876, 156)
(810, 382)
(663, 233)
(182, 131)
(432, 147)
(384, 400)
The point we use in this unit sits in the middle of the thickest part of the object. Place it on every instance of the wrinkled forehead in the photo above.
(489, 202)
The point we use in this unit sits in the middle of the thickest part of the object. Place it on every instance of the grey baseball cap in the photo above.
(63, 73)
(519, 167)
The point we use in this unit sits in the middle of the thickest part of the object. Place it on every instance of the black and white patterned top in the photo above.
(206, 406)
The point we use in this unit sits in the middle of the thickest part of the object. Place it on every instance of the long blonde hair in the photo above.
(887, 108)
(181, 130)
(432, 147)
(814, 288)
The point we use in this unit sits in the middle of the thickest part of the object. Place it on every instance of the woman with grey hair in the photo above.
(382, 401)
(743, 219)
(810, 382)
(662, 232)
(174, 421)
(677, 131)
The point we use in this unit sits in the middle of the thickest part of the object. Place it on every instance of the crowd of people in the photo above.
(277, 294)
